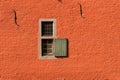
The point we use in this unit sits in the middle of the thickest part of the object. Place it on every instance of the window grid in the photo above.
(47, 28)
(47, 44)
(47, 47)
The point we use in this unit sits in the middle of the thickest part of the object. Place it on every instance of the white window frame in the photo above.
(46, 37)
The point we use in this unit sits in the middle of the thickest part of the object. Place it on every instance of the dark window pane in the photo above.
(47, 28)
(47, 46)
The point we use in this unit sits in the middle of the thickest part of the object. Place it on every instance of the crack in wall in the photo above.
(15, 17)
(81, 11)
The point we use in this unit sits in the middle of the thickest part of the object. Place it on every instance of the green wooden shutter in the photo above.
(60, 47)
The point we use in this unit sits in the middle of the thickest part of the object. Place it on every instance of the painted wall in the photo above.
(94, 40)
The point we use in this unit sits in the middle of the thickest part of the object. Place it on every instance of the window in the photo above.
(49, 46)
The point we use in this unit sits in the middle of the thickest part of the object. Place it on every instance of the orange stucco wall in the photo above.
(94, 40)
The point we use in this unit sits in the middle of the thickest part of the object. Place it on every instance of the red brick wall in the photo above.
(94, 40)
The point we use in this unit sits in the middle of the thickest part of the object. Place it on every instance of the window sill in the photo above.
(47, 57)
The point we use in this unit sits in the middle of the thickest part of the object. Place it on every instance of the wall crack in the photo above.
(81, 11)
(15, 17)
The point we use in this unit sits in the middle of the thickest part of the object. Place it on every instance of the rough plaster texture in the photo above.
(94, 40)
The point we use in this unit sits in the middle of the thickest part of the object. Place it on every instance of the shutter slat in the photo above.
(60, 47)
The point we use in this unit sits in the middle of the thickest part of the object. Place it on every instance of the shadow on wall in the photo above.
(60, 1)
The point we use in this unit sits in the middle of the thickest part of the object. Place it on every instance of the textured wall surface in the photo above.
(94, 39)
